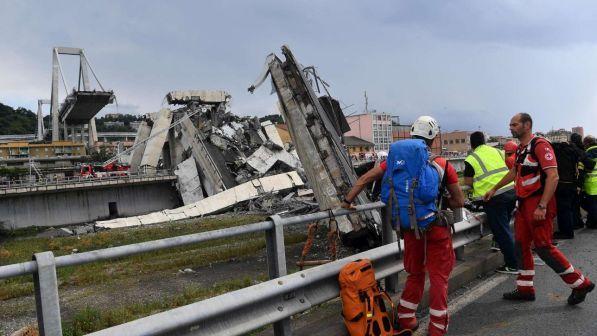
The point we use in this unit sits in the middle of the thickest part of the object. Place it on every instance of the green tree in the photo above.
(17, 121)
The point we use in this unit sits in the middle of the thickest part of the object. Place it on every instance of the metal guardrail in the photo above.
(46, 182)
(236, 312)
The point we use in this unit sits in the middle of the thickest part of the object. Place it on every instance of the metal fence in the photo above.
(116, 176)
(236, 312)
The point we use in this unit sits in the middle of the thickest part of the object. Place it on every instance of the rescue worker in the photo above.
(536, 177)
(590, 183)
(432, 253)
(510, 149)
(585, 166)
(483, 169)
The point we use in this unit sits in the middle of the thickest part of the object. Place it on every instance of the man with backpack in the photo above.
(535, 175)
(566, 193)
(569, 156)
(412, 185)
(483, 169)
(585, 166)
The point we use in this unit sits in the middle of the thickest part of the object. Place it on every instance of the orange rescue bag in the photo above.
(363, 305)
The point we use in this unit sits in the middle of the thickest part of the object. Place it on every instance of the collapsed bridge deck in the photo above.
(80, 106)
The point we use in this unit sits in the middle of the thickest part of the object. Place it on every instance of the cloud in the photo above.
(535, 23)
(470, 63)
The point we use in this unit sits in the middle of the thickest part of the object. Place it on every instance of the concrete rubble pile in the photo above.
(221, 159)
(316, 125)
(244, 164)
(228, 150)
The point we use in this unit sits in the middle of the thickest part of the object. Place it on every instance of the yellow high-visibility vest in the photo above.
(590, 185)
(490, 167)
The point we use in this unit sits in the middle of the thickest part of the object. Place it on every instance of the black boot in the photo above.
(517, 295)
(578, 295)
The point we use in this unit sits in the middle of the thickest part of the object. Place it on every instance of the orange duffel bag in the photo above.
(363, 305)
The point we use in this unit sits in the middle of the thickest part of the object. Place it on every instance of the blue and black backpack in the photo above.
(411, 185)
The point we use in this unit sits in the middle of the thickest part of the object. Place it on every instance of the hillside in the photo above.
(24, 121)
(16, 121)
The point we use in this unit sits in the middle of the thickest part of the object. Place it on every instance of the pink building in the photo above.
(372, 127)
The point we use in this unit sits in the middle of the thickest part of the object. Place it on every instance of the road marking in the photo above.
(464, 300)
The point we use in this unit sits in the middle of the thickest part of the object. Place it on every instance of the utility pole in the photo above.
(366, 103)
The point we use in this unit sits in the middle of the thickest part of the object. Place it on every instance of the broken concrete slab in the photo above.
(200, 96)
(272, 133)
(176, 149)
(264, 159)
(153, 147)
(143, 133)
(211, 177)
(83, 229)
(318, 144)
(189, 183)
(305, 192)
(214, 204)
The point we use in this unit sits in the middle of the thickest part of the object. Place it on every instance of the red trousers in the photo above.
(432, 253)
(530, 231)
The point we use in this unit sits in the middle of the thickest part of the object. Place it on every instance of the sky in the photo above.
(470, 64)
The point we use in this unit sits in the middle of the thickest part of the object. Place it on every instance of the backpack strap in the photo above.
(442, 187)
(389, 214)
(533, 146)
(412, 216)
(368, 301)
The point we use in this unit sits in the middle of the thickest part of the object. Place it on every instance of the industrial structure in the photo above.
(80, 106)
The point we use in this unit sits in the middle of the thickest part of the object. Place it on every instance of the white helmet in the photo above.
(426, 127)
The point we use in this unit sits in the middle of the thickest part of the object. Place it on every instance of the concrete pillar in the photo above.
(92, 133)
(137, 154)
(153, 148)
(40, 121)
(54, 97)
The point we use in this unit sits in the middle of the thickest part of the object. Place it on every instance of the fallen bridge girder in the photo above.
(318, 144)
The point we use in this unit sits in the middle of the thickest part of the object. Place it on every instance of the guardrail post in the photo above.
(389, 237)
(46, 295)
(276, 263)
(459, 217)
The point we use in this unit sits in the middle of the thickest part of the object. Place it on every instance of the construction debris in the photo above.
(188, 182)
(157, 138)
(229, 160)
(200, 96)
(228, 150)
(316, 125)
(215, 204)
(220, 159)
(143, 133)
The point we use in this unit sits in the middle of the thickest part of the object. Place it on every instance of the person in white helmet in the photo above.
(430, 250)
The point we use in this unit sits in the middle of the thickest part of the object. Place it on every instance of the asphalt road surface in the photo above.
(482, 311)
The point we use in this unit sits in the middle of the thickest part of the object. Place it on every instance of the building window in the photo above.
(445, 142)
(461, 140)
(451, 142)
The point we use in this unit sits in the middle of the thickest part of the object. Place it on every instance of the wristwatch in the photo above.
(541, 206)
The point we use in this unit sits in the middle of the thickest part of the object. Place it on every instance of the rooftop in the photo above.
(356, 141)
